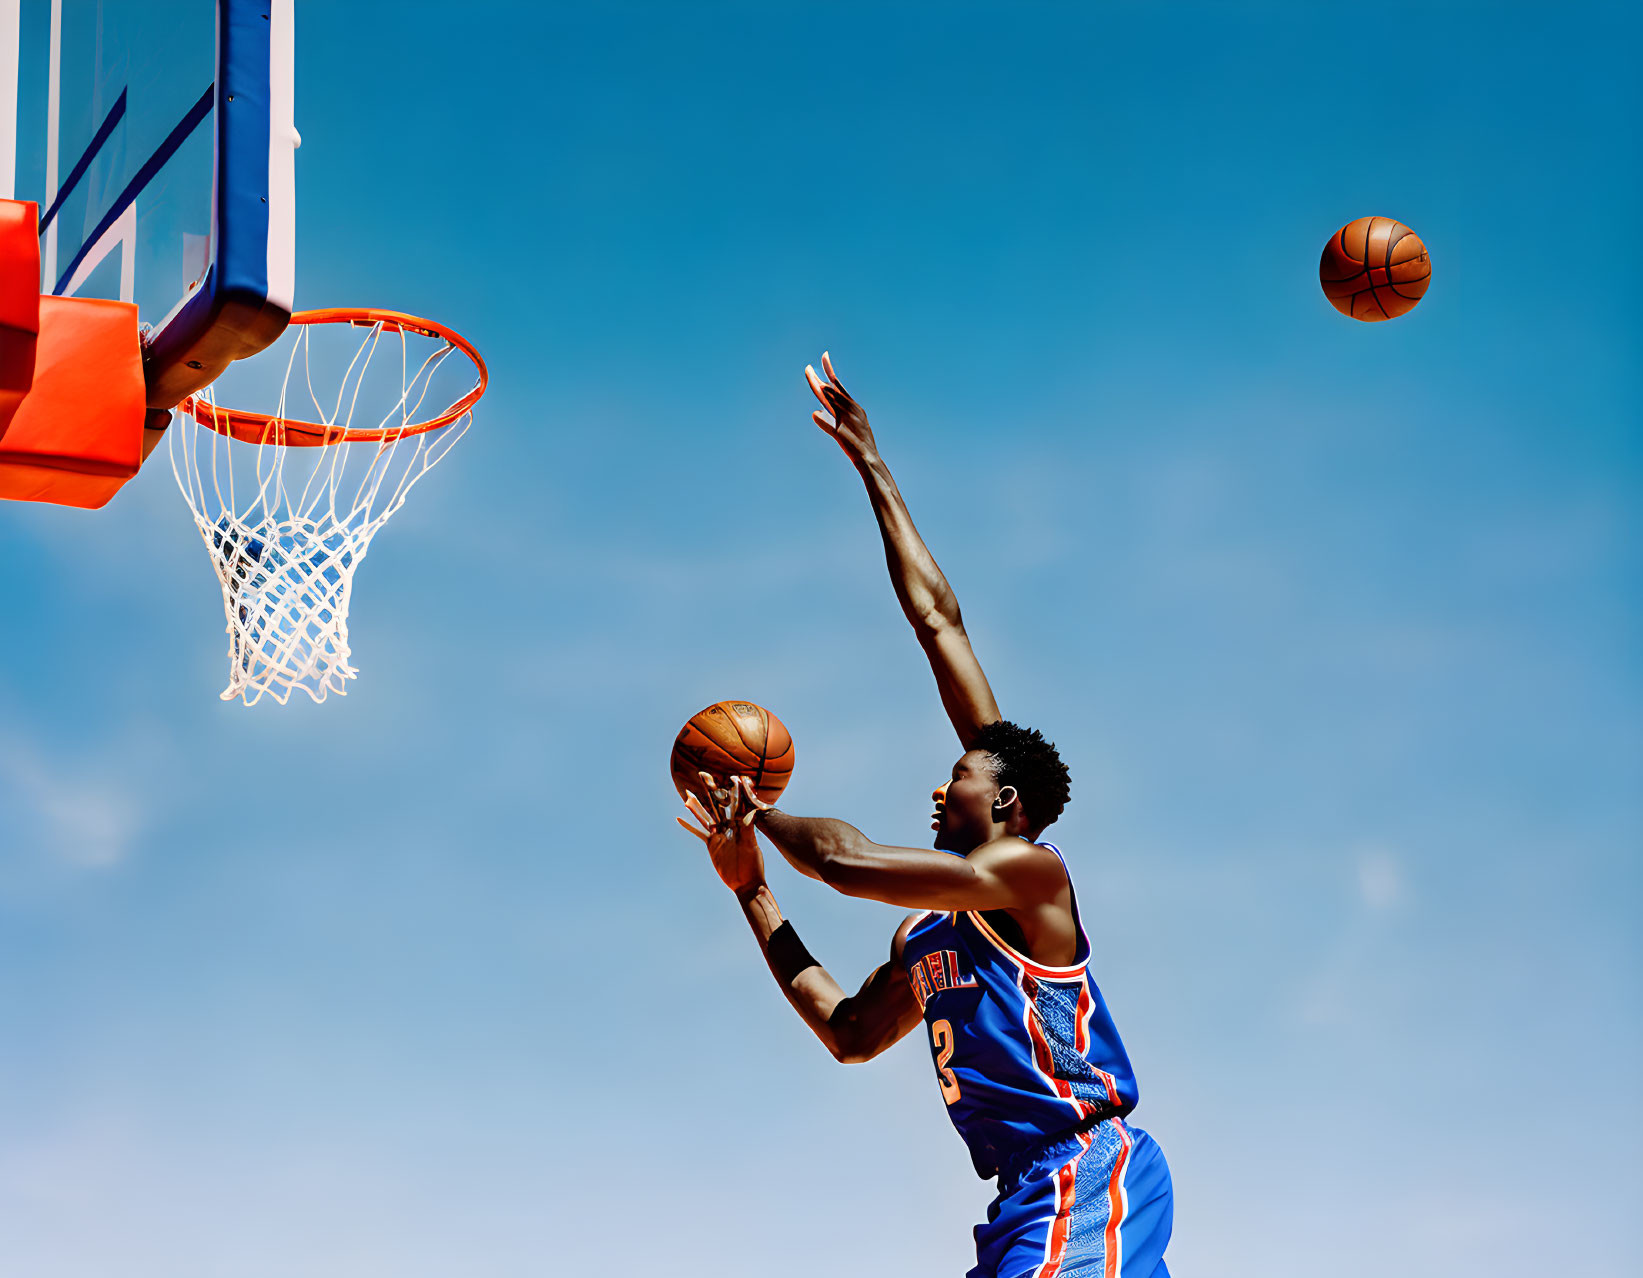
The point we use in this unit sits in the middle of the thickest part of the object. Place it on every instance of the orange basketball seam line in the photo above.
(764, 749)
(1418, 280)
(1368, 235)
(1392, 238)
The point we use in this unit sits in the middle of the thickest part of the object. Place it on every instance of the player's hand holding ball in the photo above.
(727, 829)
(729, 762)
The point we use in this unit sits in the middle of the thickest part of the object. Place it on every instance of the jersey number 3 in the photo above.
(941, 1036)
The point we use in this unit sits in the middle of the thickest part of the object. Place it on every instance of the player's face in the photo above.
(963, 818)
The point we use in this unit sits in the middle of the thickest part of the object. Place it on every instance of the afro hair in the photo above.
(1022, 758)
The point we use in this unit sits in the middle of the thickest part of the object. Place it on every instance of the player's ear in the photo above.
(1007, 798)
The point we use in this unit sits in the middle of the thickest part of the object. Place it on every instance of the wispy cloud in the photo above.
(1380, 877)
(1344, 974)
(82, 811)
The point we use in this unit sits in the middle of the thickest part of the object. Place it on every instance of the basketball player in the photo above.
(994, 960)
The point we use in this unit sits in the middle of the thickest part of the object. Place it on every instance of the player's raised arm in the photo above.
(855, 1027)
(926, 598)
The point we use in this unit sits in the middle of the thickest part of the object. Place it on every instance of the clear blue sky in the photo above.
(1336, 624)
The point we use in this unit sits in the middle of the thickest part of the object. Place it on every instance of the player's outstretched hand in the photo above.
(732, 843)
(844, 419)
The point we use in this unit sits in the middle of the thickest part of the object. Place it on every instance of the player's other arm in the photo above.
(853, 1027)
(926, 599)
(1007, 874)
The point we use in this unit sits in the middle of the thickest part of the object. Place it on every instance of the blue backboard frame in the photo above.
(101, 130)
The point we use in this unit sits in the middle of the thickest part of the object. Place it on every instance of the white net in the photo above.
(287, 526)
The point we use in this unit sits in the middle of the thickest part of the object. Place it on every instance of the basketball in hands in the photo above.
(731, 739)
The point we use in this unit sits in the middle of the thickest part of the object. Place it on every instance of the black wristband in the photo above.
(787, 954)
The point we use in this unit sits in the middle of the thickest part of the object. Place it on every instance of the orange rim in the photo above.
(265, 428)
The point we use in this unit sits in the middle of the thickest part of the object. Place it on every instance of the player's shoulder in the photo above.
(1012, 848)
(1036, 868)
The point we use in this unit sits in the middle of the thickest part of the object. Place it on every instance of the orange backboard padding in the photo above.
(19, 301)
(78, 433)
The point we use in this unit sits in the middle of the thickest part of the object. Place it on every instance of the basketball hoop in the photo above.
(287, 505)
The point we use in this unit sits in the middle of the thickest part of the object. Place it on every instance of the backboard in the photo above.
(157, 138)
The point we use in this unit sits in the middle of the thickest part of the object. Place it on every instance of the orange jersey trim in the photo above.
(1117, 1204)
(1021, 960)
(1066, 1188)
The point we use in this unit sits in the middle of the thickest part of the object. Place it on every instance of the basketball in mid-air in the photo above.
(1374, 269)
(731, 739)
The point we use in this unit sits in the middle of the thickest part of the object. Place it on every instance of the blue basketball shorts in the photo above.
(1094, 1205)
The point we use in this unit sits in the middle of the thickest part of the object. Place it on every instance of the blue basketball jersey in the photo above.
(1024, 1053)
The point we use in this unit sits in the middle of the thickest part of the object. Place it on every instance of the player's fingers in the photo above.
(817, 388)
(735, 800)
(698, 810)
(824, 421)
(710, 794)
(758, 805)
(725, 814)
(691, 829)
(827, 367)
